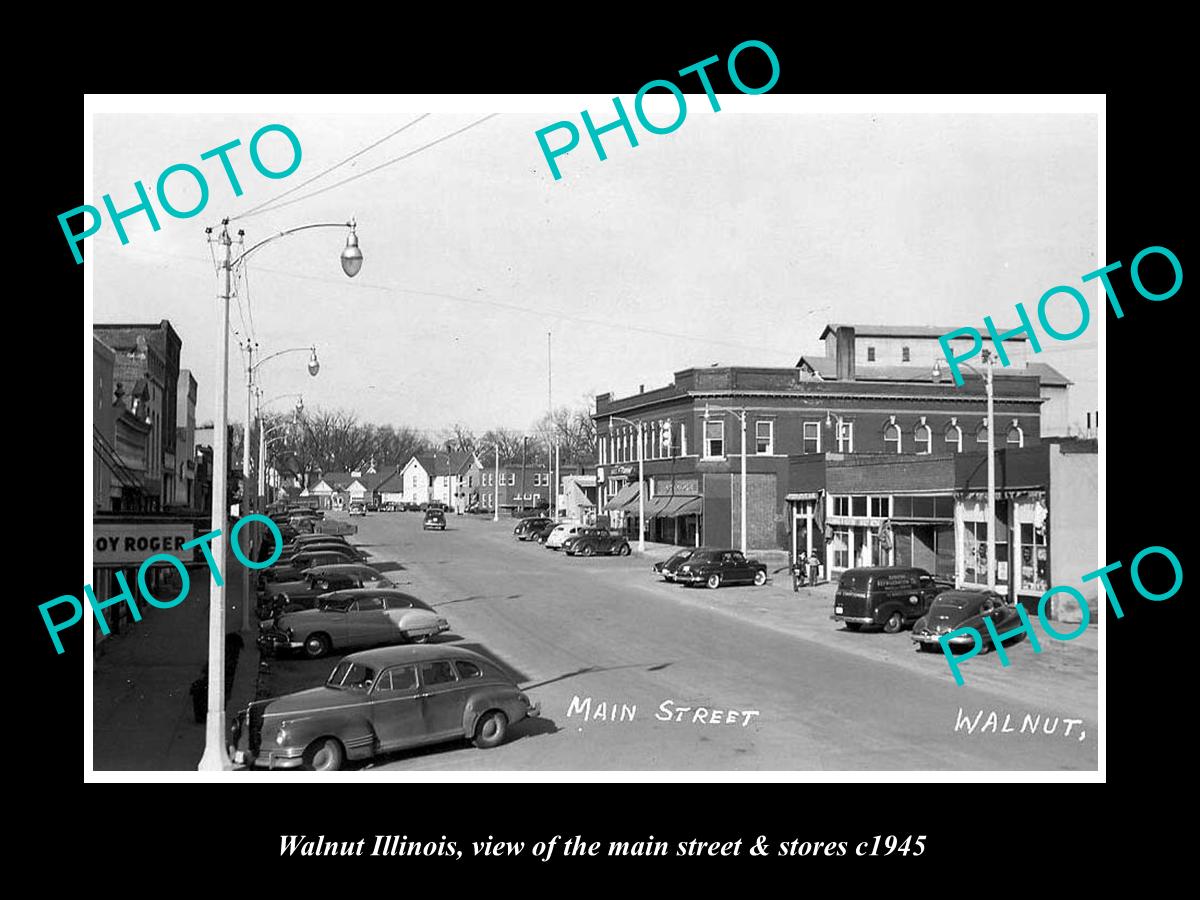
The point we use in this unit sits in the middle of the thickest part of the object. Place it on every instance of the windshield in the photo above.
(350, 676)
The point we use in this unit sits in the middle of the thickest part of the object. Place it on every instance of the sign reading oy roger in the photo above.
(124, 543)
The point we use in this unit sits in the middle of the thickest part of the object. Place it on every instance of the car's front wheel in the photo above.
(317, 645)
(714, 581)
(324, 755)
(491, 729)
(760, 578)
(894, 623)
(586, 550)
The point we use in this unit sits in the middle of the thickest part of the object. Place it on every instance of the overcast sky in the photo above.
(732, 240)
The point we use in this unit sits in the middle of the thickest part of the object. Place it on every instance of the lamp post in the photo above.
(641, 480)
(991, 462)
(216, 753)
(741, 414)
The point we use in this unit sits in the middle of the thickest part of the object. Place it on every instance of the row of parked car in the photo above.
(892, 597)
(375, 700)
(694, 566)
(573, 538)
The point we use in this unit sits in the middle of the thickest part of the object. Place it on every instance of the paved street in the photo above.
(795, 690)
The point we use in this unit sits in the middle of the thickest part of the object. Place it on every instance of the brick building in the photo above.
(835, 447)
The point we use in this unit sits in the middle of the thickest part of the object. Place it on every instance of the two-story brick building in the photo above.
(834, 449)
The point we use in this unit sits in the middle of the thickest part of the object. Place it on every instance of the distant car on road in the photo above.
(376, 701)
(717, 567)
(560, 533)
(888, 596)
(372, 506)
(358, 509)
(435, 519)
(353, 618)
(528, 528)
(592, 541)
(302, 593)
(668, 566)
(965, 609)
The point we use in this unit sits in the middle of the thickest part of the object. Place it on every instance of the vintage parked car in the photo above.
(434, 519)
(590, 541)
(289, 569)
(965, 609)
(671, 564)
(357, 509)
(718, 567)
(560, 533)
(290, 596)
(528, 528)
(888, 596)
(348, 552)
(376, 701)
(540, 536)
(354, 618)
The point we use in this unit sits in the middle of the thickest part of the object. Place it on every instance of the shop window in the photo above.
(1016, 436)
(954, 438)
(764, 438)
(891, 438)
(840, 545)
(904, 355)
(841, 506)
(975, 565)
(923, 439)
(812, 437)
(1033, 558)
(858, 505)
(881, 507)
(714, 438)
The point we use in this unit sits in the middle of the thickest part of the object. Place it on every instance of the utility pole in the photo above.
(524, 452)
(991, 479)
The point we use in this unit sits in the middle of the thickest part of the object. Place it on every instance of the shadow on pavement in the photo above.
(386, 566)
(526, 728)
(591, 670)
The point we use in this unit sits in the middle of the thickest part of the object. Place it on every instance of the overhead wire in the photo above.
(364, 174)
(324, 172)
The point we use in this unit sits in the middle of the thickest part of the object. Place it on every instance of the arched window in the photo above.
(891, 437)
(923, 438)
(954, 437)
(1016, 436)
(981, 433)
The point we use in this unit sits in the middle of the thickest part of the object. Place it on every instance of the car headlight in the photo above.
(282, 735)
(442, 623)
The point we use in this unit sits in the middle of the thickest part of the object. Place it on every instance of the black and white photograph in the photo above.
(434, 436)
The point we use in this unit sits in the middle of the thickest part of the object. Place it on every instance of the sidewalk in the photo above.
(142, 715)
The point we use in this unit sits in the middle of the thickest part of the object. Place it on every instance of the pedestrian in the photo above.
(799, 570)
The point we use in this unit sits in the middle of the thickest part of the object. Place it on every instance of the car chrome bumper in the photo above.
(273, 640)
(291, 758)
(926, 638)
(691, 579)
(857, 620)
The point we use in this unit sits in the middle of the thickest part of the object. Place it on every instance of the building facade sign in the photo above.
(132, 543)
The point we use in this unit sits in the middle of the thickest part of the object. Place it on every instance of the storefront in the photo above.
(1022, 542)
(122, 544)
(675, 510)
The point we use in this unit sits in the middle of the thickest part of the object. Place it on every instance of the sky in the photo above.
(732, 240)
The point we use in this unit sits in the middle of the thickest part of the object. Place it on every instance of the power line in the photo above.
(325, 172)
(382, 165)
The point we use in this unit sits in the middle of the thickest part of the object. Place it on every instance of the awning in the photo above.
(802, 495)
(624, 498)
(674, 506)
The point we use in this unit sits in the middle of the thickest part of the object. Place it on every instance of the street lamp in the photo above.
(741, 414)
(216, 753)
(641, 480)
(991, 462)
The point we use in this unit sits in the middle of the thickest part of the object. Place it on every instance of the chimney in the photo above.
(641, 389)
(845, 353)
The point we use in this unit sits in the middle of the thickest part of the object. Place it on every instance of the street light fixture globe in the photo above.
(314, 366)
(352, 258)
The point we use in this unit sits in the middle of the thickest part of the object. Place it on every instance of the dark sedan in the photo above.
(540, 536)
(591, 541)
(717, 567)
(302, 593)
(377, 701)
(951, 610)
(434, 519)
(527, 529)
(671, 564)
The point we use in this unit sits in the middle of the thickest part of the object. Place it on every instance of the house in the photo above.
(519, 487)
(416, 479)
(470, 480)
(389, 487)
